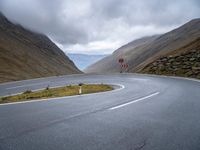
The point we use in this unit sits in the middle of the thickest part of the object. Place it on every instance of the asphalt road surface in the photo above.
(146, 112)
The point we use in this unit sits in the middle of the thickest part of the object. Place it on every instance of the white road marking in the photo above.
(164, 76)
(27, 85)
(134, 101)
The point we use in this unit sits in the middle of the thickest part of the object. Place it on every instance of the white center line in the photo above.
(134, 101)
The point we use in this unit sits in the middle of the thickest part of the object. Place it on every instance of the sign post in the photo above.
(123, 65)
(126, 66)
(121, 60)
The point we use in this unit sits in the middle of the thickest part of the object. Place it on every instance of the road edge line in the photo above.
(48, 99)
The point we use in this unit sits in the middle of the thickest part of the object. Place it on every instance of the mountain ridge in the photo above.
(25, 54)
(140, 56)
(112, 60)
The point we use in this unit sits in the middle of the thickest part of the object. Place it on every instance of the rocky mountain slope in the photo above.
(139, 56)
(184, 62)
(25, 54)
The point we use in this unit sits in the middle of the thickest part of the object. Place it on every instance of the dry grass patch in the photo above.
(56, 92)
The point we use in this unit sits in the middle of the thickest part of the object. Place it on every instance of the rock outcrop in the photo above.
(183, 62)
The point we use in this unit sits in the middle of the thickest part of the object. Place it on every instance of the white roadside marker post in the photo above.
(80, 88)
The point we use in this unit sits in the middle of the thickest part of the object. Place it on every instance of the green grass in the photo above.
(56, 92)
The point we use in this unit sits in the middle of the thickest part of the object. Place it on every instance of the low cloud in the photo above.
(99, 26)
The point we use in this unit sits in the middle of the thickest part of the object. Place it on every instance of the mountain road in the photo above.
(143, 113)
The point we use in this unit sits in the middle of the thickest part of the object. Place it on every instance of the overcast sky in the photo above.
(99, 26)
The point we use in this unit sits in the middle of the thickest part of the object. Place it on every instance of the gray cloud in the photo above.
(99, 25)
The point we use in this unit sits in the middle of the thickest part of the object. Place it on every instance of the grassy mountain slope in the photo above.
(110, 63)
(25, 54)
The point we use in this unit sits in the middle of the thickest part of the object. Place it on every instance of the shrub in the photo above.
(4, 98)
(47, 88)
(69, 85)
(27, 92)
